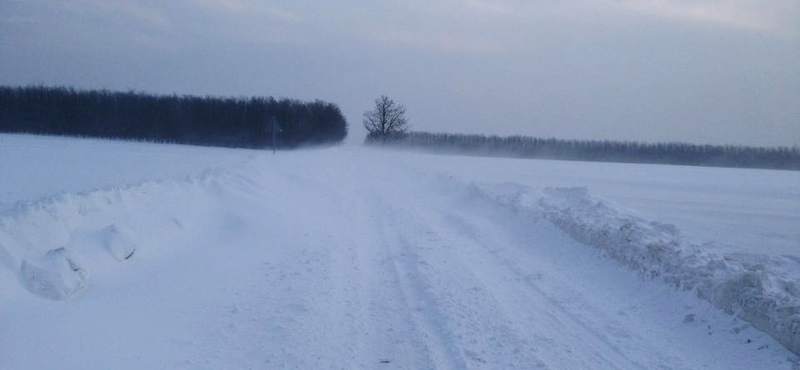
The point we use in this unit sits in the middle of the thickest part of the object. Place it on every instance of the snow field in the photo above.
(35, 167)
(349, 259)
(727, 210)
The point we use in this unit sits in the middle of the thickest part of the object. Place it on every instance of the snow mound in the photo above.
(96, 226)
(752, 287)
(56, 275)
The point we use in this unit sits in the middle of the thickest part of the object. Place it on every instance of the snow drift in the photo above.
(307, 242)
(752, 287)
(43, 242)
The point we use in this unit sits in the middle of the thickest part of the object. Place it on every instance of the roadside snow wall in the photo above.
(751, 286)
(50, 245)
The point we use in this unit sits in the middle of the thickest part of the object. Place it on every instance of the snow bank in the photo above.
(753, 287)
(43, 241)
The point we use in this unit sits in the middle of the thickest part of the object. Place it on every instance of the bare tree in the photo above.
(386, 120)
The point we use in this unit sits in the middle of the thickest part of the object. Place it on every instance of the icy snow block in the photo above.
(745, 295)
(117, 243)
(55, 276)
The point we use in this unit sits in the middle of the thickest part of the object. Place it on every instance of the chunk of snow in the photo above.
(118, 243)
(55, 276)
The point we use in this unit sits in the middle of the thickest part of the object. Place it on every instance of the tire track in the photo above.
(521, 293)
(429, 324)
(468, 329)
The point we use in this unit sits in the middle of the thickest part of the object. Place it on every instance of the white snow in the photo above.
(131, 256)
(56, 275)
(754, 287)
(40, 166)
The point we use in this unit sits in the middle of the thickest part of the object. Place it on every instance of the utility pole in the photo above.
(274, 128)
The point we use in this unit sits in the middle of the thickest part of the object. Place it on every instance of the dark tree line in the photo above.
(215, 121)
(603, 151)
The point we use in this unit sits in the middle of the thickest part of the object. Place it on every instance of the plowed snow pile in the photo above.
(140, 256)
(756, 288)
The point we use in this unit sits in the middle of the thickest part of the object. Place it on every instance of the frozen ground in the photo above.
(131, 256)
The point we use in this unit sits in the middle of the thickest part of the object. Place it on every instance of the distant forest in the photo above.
(213, 121)
(601, 151)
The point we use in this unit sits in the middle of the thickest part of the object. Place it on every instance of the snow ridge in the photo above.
(43, 242)
(747, 286)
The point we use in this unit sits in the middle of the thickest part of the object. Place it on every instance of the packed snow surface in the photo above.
(142, 256)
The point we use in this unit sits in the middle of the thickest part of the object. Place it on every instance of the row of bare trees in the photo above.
(387, 125)
(604, 151)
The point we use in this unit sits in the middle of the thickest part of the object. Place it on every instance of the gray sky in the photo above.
(704, 71)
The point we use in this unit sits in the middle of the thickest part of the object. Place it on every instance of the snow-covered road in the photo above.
(341, 259)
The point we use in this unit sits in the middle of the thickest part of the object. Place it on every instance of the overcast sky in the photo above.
(703, 71)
